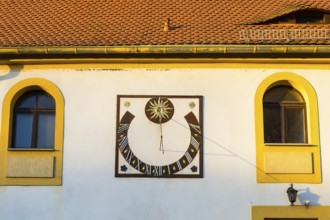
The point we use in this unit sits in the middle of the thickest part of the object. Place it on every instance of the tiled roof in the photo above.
(26, 23)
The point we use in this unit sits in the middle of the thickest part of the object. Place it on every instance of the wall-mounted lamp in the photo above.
(292, 194)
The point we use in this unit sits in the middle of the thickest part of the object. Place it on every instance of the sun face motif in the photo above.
(159, 110)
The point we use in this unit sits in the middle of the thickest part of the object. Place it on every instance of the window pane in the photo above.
(27, 100)
(34, 118)
(45, 101)
(22, 130)
(45, 131)
(309, 17)
(272, 124)
(282, 93)
(295, 130)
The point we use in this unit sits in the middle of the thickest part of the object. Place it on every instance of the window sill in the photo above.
(290, 144)
(31, 149)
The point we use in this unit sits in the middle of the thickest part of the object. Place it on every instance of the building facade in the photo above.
(164, 122)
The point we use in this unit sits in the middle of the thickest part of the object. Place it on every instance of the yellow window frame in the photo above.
(39, 166)
(288, 163)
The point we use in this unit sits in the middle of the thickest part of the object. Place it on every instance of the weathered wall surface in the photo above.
(228, 188)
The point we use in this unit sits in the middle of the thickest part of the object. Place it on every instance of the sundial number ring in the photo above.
(162, 170)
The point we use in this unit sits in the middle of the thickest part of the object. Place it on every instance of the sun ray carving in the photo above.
(159, 110)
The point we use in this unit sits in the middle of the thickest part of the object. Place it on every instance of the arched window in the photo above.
(33, 120)
(284, 116)
(32, 128)
(287, 130)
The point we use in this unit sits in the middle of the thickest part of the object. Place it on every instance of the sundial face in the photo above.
(159, 136)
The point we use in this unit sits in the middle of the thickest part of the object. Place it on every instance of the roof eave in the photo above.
(167, 49)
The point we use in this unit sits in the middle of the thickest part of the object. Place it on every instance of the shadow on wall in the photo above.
(306, 195)
(14, 70)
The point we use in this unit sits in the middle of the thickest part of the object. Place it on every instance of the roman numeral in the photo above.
(194, 143)
(138, 164)
(179, 165)
(129, 156)
(148, 169)
(123, 142)
(197, 128)
(169, 170)
(189, 158)
(158, 170)
(122, 127)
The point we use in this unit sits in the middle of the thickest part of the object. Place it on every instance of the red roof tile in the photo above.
(141, 22)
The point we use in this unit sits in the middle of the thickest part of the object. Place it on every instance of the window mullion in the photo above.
(34, 129)
(283, 125)
(305, 125)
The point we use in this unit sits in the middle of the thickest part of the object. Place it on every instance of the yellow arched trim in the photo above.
(31, 156)
(303, 159)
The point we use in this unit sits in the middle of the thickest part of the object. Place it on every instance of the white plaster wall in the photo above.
(228, 190)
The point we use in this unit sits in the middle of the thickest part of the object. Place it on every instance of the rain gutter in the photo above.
(167, 49)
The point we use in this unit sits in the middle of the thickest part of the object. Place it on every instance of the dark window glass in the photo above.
(309, 17)
(27, 101)
(302, 17)
(34, 121)
(45, 101)
(45, 137)
(284, 116)
(294, 118)
(272, 119)
(280, 94)
(22, 129)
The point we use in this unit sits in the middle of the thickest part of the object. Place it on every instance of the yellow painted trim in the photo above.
(173, 62)
(168, 49)
(288, 162)
(159, 64)
(313, 146)
(7, 106)
(287, 212)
